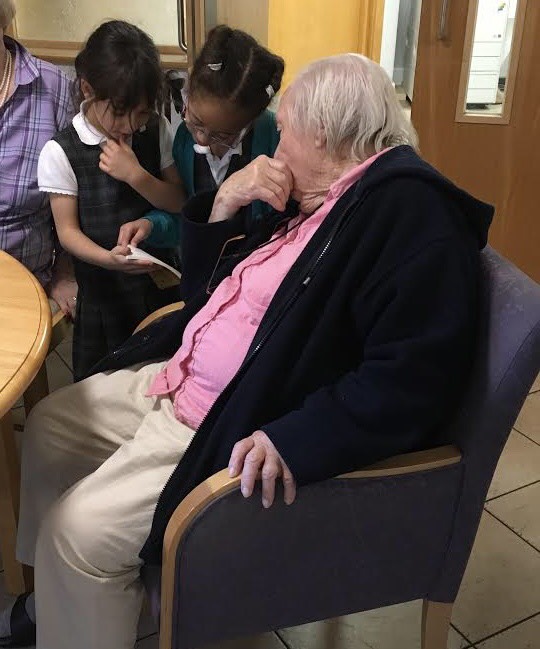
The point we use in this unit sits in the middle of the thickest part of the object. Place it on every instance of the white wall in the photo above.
(389, 32)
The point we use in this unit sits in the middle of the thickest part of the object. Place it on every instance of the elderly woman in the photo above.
(333, 335)
(35, 103)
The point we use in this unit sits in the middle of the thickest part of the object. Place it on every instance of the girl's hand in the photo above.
(134, 232)
(118, 261)
(118, 160)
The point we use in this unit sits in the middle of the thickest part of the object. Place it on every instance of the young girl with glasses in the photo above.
(111, 165)
(226, 124)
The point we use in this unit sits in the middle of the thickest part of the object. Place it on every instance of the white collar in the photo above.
(87, 133)
(225, 159)
(218, 166)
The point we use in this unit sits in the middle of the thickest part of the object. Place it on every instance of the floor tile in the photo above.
(263, 641)
(528, 421)
(520, 510)
(518, 466)
(18, 416)
(148, 643)
(147, 624)
(392, 627)
(58, 374)
(523, 636)
(5, 599)
(536, 384)
(64, 351)
(500, 585)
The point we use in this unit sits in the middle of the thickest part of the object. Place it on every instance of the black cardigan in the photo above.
(365, 348)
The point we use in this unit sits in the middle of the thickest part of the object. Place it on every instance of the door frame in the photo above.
(371, 28)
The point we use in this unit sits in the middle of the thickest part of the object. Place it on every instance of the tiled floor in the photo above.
(498, 606)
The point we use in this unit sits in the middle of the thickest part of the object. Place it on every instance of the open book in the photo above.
(137, 253)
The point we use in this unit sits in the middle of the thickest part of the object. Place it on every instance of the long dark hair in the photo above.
(122, 65)
(234, 67)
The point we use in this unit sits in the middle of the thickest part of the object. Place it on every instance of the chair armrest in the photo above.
(220, 484)
(158, 314)
(433, 458)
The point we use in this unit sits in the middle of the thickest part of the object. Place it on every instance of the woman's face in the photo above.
(299, 152)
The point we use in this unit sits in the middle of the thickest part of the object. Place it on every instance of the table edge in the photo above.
(38, 352)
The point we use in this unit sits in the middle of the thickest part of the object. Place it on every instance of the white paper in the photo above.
(137, 253)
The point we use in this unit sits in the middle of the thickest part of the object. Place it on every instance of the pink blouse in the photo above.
(217, 339)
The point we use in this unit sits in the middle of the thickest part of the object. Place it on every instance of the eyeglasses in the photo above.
(212, 284)
(230, 250)
(226, 140)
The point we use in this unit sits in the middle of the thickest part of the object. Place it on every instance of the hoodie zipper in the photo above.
(270, 329)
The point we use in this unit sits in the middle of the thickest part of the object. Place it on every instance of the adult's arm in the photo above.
(264, 179)
(415, 358)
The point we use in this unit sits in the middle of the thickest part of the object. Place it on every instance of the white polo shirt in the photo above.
(55, 173)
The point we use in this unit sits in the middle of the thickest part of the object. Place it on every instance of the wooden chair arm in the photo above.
(220, 484)
(158, 314)
(433, 458)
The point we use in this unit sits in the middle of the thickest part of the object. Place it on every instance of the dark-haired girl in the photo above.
(225, 125)
(110, 166)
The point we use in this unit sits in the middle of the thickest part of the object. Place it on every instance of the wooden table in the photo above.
(25, 332)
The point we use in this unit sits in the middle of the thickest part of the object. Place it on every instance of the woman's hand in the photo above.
(255, 454)
(118, 160)
(265, 179)
(64, 292)
(118, 261)
(134, 232)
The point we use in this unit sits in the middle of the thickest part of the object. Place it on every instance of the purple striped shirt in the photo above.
(40, 107)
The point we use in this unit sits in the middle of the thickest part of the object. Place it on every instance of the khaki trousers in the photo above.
(95, 457)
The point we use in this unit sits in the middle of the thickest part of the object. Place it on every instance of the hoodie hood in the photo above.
(403, 161)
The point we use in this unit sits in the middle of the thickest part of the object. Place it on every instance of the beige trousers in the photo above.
(95, 457)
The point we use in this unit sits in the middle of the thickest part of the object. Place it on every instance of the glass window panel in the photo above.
(490, 57)
(74, 20)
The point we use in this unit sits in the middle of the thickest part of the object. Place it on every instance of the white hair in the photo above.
(7, 13)
(351, 99)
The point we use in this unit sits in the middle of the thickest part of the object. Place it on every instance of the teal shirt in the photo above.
(166, 226)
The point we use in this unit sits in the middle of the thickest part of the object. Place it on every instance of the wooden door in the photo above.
(304, 30)
(496, 157)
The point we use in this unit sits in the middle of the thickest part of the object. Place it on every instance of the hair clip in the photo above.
(270, 91)
(215, 66)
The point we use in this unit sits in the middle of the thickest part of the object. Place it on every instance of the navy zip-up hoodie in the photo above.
(366, 346)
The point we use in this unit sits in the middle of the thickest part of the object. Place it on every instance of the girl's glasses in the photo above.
(226, 140)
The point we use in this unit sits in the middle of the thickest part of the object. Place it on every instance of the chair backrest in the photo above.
(506, 364)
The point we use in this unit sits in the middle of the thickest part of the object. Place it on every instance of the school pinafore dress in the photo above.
(110, 304)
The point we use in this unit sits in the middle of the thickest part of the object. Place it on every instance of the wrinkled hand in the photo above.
(118, 160)
(134, 232)
(118, 261)
(64, 292)
(265, 179)
(257, 453)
